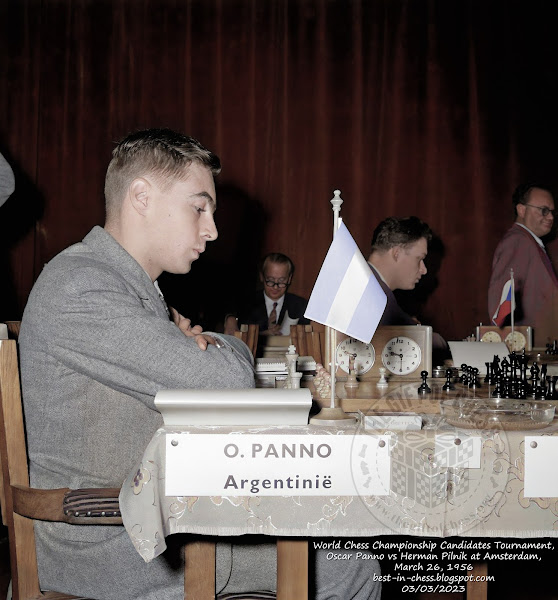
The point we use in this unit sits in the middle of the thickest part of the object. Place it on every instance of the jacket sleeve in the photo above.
(90, 321)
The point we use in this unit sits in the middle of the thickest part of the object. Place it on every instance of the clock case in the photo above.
(503, 332)
(421, 334)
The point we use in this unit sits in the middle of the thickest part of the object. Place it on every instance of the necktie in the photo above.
(273, 315)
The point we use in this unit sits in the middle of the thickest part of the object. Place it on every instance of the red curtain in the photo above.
(435, 108)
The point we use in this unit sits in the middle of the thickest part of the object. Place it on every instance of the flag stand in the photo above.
(334, 414)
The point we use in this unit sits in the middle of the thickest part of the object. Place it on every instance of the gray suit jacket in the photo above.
(96, 345)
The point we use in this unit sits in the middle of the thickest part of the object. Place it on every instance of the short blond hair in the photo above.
(160, 153)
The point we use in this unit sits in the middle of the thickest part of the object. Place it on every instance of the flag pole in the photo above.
(512, 307)
(336, 202)
(334, 415)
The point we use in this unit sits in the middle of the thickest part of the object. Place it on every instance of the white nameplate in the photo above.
(458, 450)
(393, 421)
(541, 467)
(277, 465)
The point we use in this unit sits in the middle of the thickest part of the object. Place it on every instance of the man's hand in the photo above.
(185, 325)
(273, 330)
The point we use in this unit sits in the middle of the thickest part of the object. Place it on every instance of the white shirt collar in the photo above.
(537, 238)
(378, 271)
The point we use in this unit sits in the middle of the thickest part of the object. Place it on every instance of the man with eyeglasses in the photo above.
(523, 250)
(273, 309)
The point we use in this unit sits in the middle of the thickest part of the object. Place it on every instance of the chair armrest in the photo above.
(93, 506)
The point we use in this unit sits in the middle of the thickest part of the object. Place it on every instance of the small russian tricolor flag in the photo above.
(346, 295)
(506, 306)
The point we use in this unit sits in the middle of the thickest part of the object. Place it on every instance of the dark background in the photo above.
(436, 108)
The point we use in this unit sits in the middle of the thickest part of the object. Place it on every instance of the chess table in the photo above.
(404, 396)
(426, 498)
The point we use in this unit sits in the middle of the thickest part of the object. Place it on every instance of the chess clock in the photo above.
(403, 350)
(364, 355)
(521, 338)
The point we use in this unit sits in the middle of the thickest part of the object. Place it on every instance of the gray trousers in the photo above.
(111, 568)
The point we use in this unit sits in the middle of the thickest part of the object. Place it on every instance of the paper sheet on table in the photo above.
(476, 354)
(286, 325)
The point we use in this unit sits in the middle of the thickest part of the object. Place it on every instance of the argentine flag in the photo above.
(346, 295)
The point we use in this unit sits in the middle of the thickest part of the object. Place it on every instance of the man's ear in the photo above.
(521, 208)
(139, 195)
(395, 252)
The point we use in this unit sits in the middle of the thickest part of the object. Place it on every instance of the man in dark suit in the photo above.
(522, 249)
(273, 308)
(399, 247)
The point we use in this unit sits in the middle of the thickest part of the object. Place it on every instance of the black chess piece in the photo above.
(448, 386)
(549, 388)
(424, 388)
(497, 392)
(464, 378)
(474, 381)
(505, 366)
(488, 378)
(534, 380)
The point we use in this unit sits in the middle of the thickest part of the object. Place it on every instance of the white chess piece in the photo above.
(293, 378)
(382, 382)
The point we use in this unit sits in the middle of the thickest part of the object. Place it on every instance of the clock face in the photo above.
(401, 355)
(364, 355)
(491, 336)
(515, 341)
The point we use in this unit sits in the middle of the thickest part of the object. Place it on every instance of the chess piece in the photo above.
(382, 382)
(424, 387)
(293, 377)
(351, 385)
(497, 393)
(464, 379)
(488, 378)
(448, 386)
(474, 381)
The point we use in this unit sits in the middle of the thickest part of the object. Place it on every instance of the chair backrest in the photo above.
(13, 329)
(21, 505)
(249, 335)
(309, 340)
(13, 455)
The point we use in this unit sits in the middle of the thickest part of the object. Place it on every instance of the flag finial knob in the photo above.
(336, 201)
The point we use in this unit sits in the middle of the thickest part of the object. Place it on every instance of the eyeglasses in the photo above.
(545, 211)
(278, 284)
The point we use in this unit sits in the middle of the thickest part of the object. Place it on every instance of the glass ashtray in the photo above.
(508, 414)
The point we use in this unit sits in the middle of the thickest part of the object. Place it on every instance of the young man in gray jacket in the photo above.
(97, 343)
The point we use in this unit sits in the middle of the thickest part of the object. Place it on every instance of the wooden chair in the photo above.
(309, 340)
(249, 335)
(13, 329)
(22, 504)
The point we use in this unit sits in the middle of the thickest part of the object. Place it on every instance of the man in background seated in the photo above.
(7, 181)
(273, 308)
(523, 250)
(399, 248)
(97, 343)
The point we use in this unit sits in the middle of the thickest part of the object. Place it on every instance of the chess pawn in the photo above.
(448, 386)
(382, 382)
(474, 378)
(424, 387)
